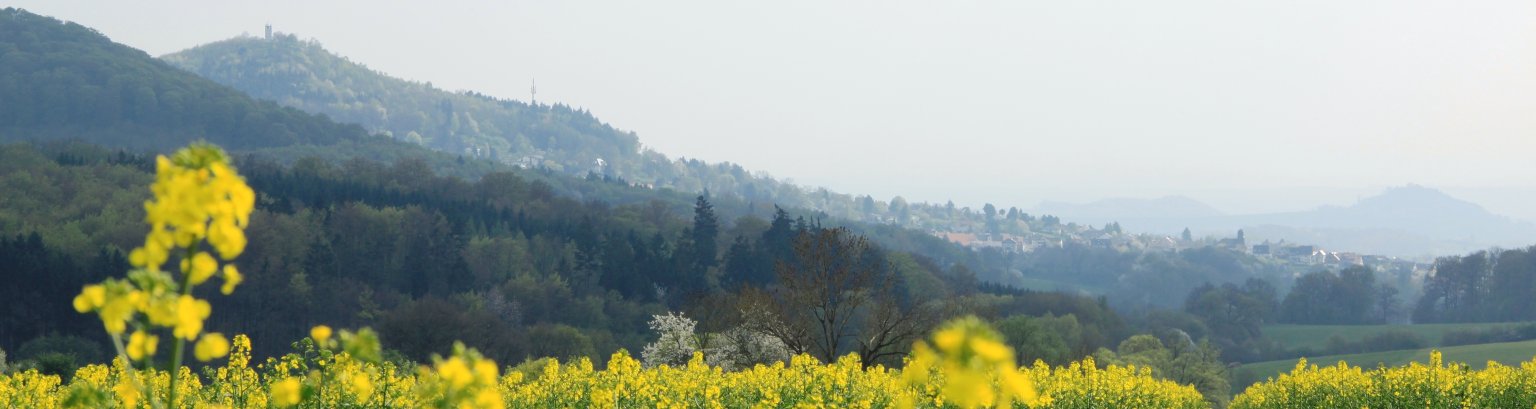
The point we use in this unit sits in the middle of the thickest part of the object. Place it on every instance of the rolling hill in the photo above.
(563, 139)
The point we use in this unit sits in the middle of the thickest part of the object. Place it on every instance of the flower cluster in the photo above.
(625, 383)
(464, 380)
(1084, 385)
(330, 371)
(199, 202)
(1435, 385)
(323, 374)
(977, 368)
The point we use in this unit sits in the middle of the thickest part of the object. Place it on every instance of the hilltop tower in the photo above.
(533, 92)
(269, 31)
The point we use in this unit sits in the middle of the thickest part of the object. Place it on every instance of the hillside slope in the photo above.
(304, 75)
(60, 79)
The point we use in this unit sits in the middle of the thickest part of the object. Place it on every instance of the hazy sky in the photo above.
(1250, 106)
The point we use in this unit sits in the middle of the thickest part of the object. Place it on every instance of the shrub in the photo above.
(1393, 340)
(1521, 332)
(60, 355)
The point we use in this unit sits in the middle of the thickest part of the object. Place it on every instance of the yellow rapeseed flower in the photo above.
(232, 278)
(287, 392)
(361, 386)
(190, 313)
(978, 369)
(200, 268)
(90, 298)
(320, 333)
(456, 372)
(141, 345)
(211, 346)
(127, 392)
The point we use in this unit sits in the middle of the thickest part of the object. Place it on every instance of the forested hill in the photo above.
(304, 75)
(562, 139)
(61, 79)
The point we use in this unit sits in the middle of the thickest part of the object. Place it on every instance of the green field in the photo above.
(1476, 356)
(1316, 337)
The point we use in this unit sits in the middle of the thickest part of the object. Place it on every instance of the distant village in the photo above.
(1295, 256)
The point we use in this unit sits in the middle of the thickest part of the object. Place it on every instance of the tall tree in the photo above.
(706, 228)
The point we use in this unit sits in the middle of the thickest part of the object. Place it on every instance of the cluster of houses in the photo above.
(1298, 255)
(1002, 241)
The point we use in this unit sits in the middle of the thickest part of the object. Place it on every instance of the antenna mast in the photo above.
(533, 92)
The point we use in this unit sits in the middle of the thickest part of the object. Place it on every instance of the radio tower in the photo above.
(533, 92)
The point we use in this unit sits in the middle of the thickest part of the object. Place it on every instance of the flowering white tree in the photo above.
(676, 342)
(740, 347)
(735, 348)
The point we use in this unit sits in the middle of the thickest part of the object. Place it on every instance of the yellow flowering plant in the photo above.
(464, 380)
(200, 208)
(1433, 385)
(329, 372)
(978, 370)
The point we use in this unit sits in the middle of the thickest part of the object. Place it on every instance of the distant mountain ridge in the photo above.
(1416, 214)
(1409, 220)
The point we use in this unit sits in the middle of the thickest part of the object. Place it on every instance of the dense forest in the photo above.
(500, 263)
(1479, 287)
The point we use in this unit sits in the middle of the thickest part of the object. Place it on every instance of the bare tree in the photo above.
(762, 313)
(825, 285)
(833, 296)
(890, 327)
(715, 312)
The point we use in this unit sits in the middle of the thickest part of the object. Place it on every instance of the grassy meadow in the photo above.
(1316, 336)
